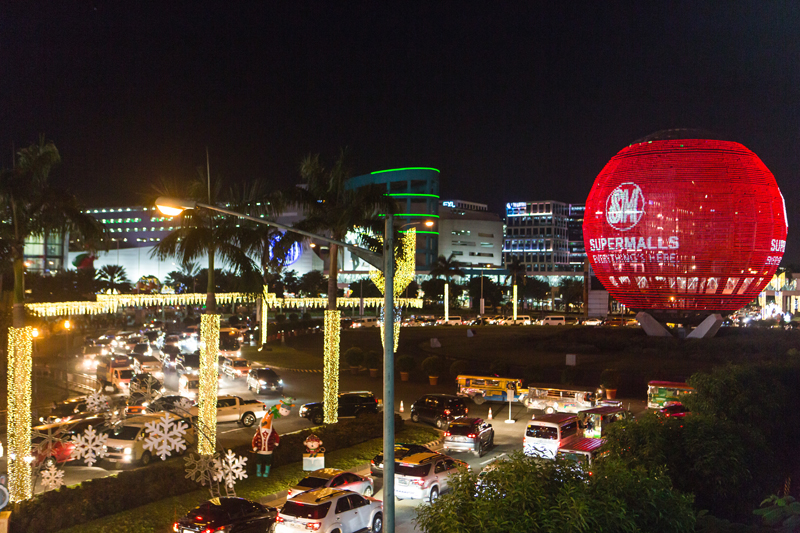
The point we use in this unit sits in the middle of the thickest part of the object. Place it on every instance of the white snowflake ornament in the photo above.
(230, 468)
(182, 406)
(96, 402)
(46, 442)
(52, 478)
(114, 419)
(201, 468)
(165, 436)
(90, 445)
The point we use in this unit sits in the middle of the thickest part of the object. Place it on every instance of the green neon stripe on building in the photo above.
(418, 231)
(412, 215)
(406, 168)
(414, 194)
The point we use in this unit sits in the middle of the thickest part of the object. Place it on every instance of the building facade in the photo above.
(536, 232)
(469, 232)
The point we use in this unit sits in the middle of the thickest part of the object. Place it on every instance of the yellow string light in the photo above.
(209, 379)
(405, 269)
(330, 379)
(20, 363)
(264, 309)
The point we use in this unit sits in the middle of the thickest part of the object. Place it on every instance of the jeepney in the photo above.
(596, 420)
(659, 393)
(483, 388)
(552, 400)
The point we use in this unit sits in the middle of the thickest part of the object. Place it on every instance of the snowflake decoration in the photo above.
(147, 389)
(114, 419)
(164, 436)
(97, 402)
(230, 468)
(52, 478)
(201, 468)
(48, 440)
(182, 406)
(90, 445)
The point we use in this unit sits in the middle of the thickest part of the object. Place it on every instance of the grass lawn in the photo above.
(158, 517)
(285, 356)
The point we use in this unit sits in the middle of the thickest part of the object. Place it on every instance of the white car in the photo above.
(335, 479)
(451, 321)
(424, 475)
(330, 510)
(593, 322)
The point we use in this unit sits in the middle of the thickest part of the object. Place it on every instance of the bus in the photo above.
(659, 393)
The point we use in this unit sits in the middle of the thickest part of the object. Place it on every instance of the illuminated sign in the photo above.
(692, 224)
(448, 204)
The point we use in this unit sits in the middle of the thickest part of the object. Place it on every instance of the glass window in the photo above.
(225, 402)
(338, 481)
(461, 429)
(301, 510)
(312, 482)
(440, 467)
(542, 432)
(357, 501)
(343, 505)
(412, 470)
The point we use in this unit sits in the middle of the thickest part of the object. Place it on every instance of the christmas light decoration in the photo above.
(330, 379)
(20, 362)
(264, 311)
(446, 302)
(515, 303)
(209, 379)
(403, 275)
(686, 226)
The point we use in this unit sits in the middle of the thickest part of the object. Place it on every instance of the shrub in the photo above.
(373, 359)
(433, 366)
(354, 356)
(293, 317)
(405, 363)
(459, 367)
(609, 378)
(280, 318)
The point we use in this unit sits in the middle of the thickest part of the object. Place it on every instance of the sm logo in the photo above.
(625, 206)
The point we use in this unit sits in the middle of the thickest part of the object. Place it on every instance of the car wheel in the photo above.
(491, 442)
(49, 462)
(434, 494)
(248, 419)
(377, 523)
(440, 423)
(318, 419)
(478, 399)
(368, 491)
(481, 450)
(146, 457)
(414, 417)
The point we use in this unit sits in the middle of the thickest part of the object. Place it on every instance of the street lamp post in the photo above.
(384, 262)
(66, 355)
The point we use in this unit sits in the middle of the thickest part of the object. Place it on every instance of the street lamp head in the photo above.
(66, 324)
(35, 333)
(429, 223)
(174, 206)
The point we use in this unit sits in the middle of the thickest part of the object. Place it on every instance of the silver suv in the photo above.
(424, 475)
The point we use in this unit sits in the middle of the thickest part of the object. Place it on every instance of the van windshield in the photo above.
(542, 432)
(124, 433)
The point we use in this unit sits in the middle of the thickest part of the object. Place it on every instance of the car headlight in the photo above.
(127, 451)
(280, 382)
(262, 382)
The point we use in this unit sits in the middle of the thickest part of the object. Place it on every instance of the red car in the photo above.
(674, 410)
(52, 443)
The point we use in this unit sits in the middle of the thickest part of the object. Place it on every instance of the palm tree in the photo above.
(446, 267)
(332, 208)
(34, 208)
(516, 269)
(114, 278)
(185, 279)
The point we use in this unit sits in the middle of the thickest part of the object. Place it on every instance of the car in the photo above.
(188, 362)
(171, 340)
(452, 320)
(227, 514)
(142, 348)
(236, 409)
(330, 510)
(169, 355)
(172, 403)
(674, 410)
(67, 410)
(469, 435)
(125, 443)
(263, 381)
(438, 409)
(554, 321)
(400, 451)
(424, 476)
(351, 404)
(235, 367)
(333, 478)
(593, 322)
(365, 322)
(51, 444)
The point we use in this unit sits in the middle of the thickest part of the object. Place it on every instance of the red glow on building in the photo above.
(695, 225)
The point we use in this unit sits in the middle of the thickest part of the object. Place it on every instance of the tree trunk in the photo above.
(19, 293)
(211, 301)
(333, 277)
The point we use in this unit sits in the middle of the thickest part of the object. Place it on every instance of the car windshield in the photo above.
(193, 384)
(228, 343)
(125, 374)
(239, 364)
(124, 433)
(267, 374)
(411, 470)
(191, 360)
(64, 409)
(461, 429)
(304, 510)
(454, 402)
(312, 482)
(542, 432)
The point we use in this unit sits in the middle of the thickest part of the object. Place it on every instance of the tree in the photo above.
(447, 268)
(113, 278)
(571, 291)
(185, 279)
(491, 292)
(536, 289)
(332, 208)
(365, 288)
(291, 282)
(313, 283)
(34, 208)
(433, 289)
(528, 494)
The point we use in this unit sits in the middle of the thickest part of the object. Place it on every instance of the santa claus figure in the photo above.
(266, 438)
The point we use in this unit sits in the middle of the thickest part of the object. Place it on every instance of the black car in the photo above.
(169, 356)
(188, 362)
(400, 451)
(264, 381)
(438, 409)
(232, 515)
(169, 403)
(351, 404)
(468, 435)
(67, 410)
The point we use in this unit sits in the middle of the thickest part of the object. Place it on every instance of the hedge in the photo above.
(71, 506)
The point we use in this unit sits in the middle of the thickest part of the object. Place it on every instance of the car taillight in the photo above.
(175, 527)
(418, 481)
(289, 492)
(471, 436)
(447, 411)
(446, 433)
(466, 410)
(279, 518)
(314, 526)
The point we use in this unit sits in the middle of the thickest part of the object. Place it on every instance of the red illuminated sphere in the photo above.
(685, 226)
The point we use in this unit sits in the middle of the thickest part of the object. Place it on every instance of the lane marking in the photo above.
(493, 458)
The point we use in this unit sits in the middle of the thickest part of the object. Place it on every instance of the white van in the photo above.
(554, 321)
(545, 434)
(451, 321)
(366, 322)
(522, 320)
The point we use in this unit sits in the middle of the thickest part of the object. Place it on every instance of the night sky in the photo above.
(512, 101)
